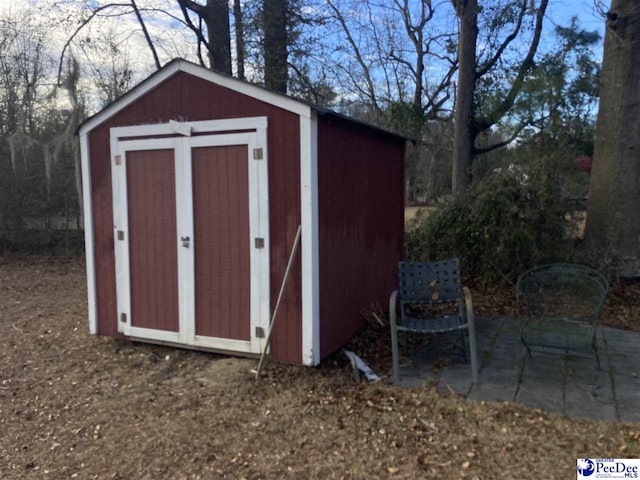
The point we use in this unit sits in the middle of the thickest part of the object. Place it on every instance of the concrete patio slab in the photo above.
(563, 383)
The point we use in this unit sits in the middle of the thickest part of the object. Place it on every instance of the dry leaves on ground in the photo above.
(78, 406)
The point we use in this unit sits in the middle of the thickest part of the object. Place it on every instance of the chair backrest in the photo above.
(562, 290)
(429, 283)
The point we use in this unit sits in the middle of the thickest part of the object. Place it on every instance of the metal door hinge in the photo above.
(117, 159)
(123, 317)
(120, 235)
(257, 154)
(259, 332)
(259, 242)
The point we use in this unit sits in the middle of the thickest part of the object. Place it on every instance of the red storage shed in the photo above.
(194, 186)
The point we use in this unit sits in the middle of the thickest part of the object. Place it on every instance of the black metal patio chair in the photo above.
(427, 285)
(560, 305)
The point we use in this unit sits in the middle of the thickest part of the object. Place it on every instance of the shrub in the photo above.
(507, 223)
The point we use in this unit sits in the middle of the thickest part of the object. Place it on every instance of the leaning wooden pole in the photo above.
(294, 250)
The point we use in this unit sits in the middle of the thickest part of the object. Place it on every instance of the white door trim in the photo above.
(258, 224)
(184, 226)
(204, 126)
(121, 224)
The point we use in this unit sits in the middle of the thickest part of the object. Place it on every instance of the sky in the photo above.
(589, 18)
(585, 10)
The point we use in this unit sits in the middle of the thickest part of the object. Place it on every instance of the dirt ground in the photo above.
(410, 211)
(74, 405)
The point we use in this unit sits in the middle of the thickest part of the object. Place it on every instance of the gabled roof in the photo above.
(285, 102)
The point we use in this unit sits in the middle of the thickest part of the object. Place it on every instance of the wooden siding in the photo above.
(361, 223)
(221, 242)
(187, 98)
(153, 260)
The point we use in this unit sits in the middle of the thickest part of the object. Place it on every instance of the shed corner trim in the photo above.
(310, 240)
(87, 213)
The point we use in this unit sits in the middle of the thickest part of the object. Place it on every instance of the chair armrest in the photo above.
(392, 301)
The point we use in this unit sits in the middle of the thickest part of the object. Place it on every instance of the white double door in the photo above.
(191, 235)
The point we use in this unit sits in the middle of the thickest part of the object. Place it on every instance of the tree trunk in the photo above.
(217, 20)
(239, 27)
(276, 73)
(215, 15)
(613, 220)
(463, 136)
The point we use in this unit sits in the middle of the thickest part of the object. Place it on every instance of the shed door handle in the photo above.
(185, 241)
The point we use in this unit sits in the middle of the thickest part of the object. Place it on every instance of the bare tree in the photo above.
(107, 62)
(38, 150)
(384, 54)
(117, 9)
(395, 65)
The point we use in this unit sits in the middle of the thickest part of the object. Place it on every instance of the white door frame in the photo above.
(254, 136)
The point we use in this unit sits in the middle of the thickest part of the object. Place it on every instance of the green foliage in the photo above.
(556, 104)
(561, 91)
(507, 223)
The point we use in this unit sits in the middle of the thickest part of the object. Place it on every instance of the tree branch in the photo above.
(380, 50)
(193, 6)
(416, 35)
(505, 105)
(80, 27)
(194, 29)
(199, 49)
(146, 35)
(404, 62)
(489, 65)
(356, 51)
(434, 105)
(504, 143)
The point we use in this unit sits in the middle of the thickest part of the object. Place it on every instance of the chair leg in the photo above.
(464, 345)
(394, 336)
(473, 351)
(523, 360)
(595, 350)
(471, 319)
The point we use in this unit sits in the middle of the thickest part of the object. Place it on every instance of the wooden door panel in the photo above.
(221, 242)
(152, 239)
